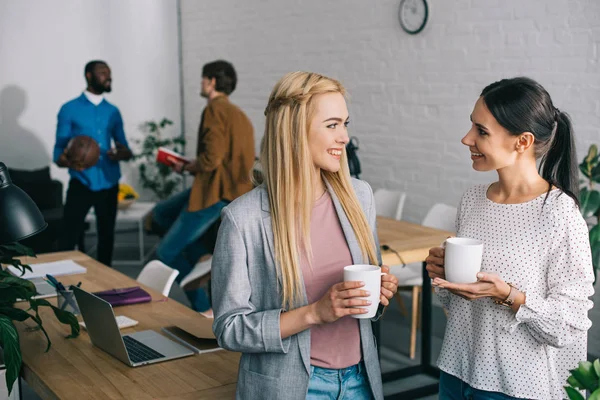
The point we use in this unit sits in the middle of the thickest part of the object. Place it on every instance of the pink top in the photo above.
(335, 345)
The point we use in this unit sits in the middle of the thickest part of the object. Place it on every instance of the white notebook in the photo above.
(56, 268)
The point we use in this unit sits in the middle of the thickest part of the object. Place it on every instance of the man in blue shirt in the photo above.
(98, 186)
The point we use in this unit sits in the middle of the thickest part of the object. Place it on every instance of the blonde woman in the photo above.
(277, 273)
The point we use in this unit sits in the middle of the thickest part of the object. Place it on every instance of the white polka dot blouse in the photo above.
(542, 248)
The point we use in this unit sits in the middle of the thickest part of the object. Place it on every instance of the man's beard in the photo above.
(99, 88)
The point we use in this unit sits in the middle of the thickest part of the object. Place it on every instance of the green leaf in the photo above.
(573, 394)
(590, 202)
(588, 368)
(9, 341)
(595, 234)
(597, 367)
(64, 317)
(595, 395)
(152, 126)
(595, 246)
(592, 153)
(596, 173)
(9, 260)
(17, 249)
(12, 293)
(67, 318)
(574, 382)
(16, 281)
(585, 169)
(38, 321)
(15, 314)
(586, 375)
(165, 122)
(590, 162)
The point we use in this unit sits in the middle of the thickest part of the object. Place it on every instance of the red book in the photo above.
(170, 158)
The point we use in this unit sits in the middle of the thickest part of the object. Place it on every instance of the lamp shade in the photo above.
(20, 217)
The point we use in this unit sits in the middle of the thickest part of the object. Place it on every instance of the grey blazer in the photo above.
(247, 302)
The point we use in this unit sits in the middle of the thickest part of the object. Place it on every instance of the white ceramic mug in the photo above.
(462, 260)
(371, 276)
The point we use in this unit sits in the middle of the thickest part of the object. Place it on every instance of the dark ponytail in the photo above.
(559, 165)
(523, 105)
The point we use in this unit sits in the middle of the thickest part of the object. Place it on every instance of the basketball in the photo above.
(83, 151)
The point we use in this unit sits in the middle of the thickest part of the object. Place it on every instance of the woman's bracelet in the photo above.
(510, 299)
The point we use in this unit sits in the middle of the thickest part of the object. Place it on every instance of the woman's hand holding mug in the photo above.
(363, 289)
(435, 263)
(340, 300)
(487, 284)
(389, 286)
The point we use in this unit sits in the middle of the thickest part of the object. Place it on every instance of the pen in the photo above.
(55, 283)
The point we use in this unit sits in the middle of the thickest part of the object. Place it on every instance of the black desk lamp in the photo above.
(20, 218)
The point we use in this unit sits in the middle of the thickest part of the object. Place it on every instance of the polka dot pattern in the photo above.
(542, 247)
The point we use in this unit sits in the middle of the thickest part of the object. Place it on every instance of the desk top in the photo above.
(411, 241)
(75, 369)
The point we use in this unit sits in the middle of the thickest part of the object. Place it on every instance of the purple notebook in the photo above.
(125, 296)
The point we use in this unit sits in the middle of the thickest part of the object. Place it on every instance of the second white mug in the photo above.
(371, 276)
(462, 260)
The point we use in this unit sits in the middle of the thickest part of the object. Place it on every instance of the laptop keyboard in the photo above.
(139, 352)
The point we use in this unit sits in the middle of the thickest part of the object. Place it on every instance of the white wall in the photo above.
(411, 96)
(44, 47)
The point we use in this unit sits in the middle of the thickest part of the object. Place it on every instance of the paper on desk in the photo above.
(56, 268)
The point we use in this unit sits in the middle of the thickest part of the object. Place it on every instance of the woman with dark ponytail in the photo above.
(517, 331)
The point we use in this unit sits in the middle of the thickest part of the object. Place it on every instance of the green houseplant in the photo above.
(158, 178)
(584, 377)
(590, 200)
(13, 288)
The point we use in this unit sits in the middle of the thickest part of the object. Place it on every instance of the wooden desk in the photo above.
(412, 243)
(75, 369)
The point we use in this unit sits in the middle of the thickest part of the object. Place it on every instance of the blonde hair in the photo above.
(288, 175)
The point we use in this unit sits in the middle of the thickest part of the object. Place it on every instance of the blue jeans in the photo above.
(452, 388)
(346, 383)
(181, 246)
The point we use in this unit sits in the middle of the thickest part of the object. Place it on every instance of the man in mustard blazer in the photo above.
(224, 159)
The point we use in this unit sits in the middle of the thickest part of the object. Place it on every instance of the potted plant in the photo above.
(159, 178)
(584, 377)
(13, 288)
(589, 198)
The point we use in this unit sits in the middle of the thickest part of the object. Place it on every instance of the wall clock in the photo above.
(413, 15)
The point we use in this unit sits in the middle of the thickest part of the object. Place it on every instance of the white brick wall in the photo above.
(411, 96)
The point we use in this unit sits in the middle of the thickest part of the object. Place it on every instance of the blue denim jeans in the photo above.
(346, 383)
(181, 246)
(452, 388)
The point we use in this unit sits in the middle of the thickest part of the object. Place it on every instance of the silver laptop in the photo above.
(135, 349)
